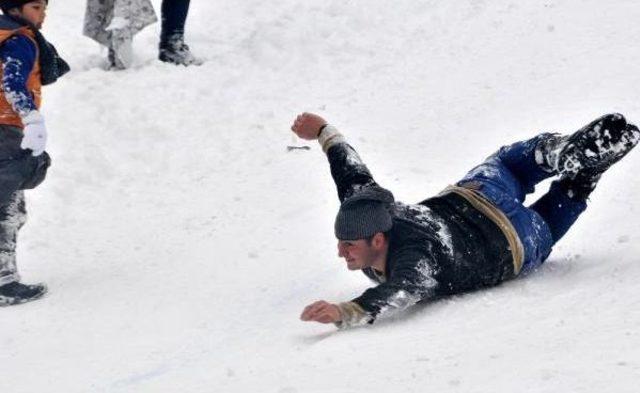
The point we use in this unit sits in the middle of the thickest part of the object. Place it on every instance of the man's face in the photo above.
(34, 12)
(358, 253)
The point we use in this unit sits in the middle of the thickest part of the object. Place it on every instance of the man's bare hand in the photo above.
(307, 126)
(321, 311)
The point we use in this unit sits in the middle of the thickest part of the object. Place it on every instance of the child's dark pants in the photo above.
(19, 170)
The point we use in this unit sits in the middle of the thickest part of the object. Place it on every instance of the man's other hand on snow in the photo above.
(321, 311)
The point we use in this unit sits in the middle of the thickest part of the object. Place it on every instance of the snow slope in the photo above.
(180, 240)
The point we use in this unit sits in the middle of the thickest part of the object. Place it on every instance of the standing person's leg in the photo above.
(12, 291)
(174, 16)
(172, 46)
(98, 14)
(12, 217)
(19, 170)
(127, 18)
(114, 23)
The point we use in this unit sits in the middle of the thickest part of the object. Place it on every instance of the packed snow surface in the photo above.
(180, 239)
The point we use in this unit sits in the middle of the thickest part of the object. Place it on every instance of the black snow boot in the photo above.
(18, 293)
(592, 150)
(177, 52)
(580, 186)
(582, 157)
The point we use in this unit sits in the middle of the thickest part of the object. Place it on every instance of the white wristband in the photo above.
(329, 137)
(352, 314)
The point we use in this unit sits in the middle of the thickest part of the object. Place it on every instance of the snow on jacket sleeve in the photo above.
(411, 281)
(18, 56)
(347, 169)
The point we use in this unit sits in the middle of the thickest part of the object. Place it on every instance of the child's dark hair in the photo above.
(6, 5)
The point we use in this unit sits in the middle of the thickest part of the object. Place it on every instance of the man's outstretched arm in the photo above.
(412, 281)
(347, 169)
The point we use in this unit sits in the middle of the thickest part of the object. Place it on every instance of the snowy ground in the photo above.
(180, 240)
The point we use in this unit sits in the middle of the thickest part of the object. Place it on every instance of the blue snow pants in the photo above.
(505, 178)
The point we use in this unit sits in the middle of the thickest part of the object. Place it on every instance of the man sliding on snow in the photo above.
(474, 234)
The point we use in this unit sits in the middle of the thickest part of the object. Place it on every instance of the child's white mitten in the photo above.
(35, 133)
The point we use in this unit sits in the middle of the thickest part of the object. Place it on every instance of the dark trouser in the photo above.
(506, 177)
(174, 16)
(12, 216)
(19, 170)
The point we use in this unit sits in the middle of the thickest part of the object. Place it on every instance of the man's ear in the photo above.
(378, 240)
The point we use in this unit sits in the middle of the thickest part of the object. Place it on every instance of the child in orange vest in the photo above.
(28, 62)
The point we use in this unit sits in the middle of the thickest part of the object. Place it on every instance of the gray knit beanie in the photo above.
(364, 214)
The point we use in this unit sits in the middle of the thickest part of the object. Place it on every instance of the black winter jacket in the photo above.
(438, 247)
